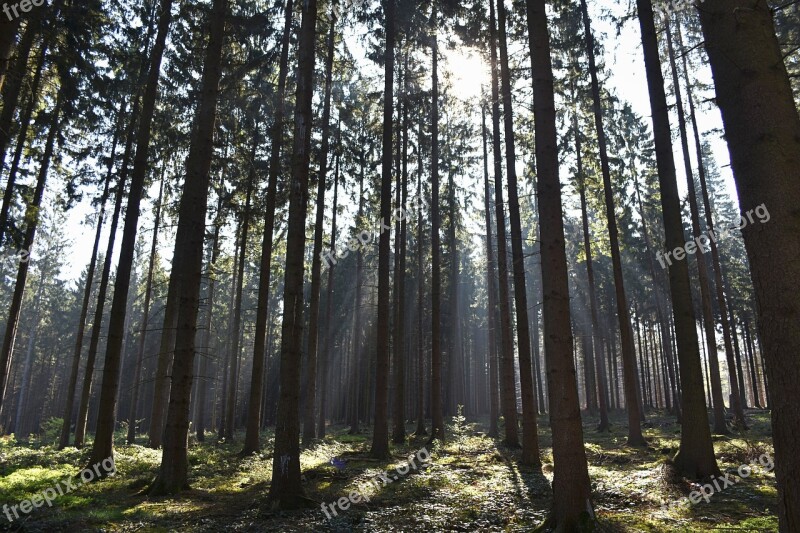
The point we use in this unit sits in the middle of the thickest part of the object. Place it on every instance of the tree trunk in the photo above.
(491, 276)
(399, 415)
(97, 323)
(695, 457)
(420, 430)
(202, 392)
(316, 261)
(327, 353)
(508, 393)
(104, 438)
(254, 412)
(16, 82)
(530, 439)
(286, 489)
(720, 425)
(8, 38)
(188, 259)
(437, 416)
(148, 293)
(572, 506)
(24, 125)
(635, 437)
(762, 128)
(587, 250)
(32, 216)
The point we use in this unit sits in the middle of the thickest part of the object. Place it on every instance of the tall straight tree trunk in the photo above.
(380, 434)
(572, 506)
(737, 388)
(695, 457)
(355, 374)
(587, 250)
(491, 276)
(316, 260)
(72, 385)
(230, 415)
(762, 128)
(202, 386)
(32, 216)
(286, 490)
(437, 415)
(720, 425)
(254, 412)
(635, 437)
(97, 323)
(188, 258)
(508, 392)
(420, 430)
(104, 439)
(399, 369)
(530, 438)
(148, 294)
(327, 353)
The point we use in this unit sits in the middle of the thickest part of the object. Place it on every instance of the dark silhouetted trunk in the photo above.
(695, 457)
(316, 260)
(188, 259)
(104, 439)
(437, 415)
(635, 437)
(254, 409)
(491, 288)
(286, 490)
(572, 506)
(762, 128)
(508, 392)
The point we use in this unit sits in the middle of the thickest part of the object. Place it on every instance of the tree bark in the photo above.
(695, 456)
(437, 415)
(508, 393)
(491, 276)
(635, 437)
(720, 426)
(286, 490)
(309, 421)
(188, 260)
(104, 439)
(572, 506)
(530, 438)
(254, 412)
(762, 128)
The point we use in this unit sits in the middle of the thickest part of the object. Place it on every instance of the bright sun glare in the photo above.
(468, 70)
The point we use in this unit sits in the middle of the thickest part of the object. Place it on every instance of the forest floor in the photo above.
(470, 483)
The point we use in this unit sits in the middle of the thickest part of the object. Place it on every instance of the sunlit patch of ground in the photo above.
(471, 483)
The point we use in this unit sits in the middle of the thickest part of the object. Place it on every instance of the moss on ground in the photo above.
(470, 484)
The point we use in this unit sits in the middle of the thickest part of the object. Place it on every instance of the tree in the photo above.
(695, 457)
(316, 264)
(103, 446)
(762, 128)
(572, 506)
(286, 490)
(530, 438)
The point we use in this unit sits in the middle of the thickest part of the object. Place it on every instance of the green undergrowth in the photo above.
(470, 483)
